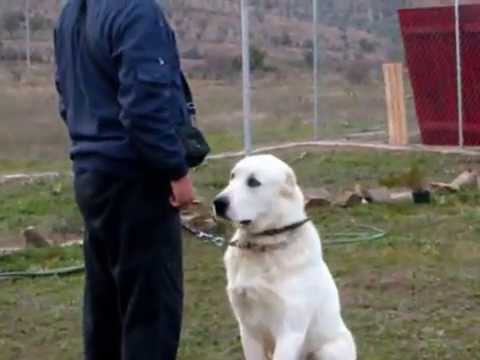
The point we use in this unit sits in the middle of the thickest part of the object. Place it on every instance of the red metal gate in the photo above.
(429, 40)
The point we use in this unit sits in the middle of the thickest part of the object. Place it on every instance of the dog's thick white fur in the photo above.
(284, 299)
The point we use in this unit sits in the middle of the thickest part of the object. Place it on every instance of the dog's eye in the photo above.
(232, 176)
(253, 183)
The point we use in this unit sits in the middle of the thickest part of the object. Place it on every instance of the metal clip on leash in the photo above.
(217, 241)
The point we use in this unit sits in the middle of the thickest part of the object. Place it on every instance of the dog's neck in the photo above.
(270, 239)
(276, 218)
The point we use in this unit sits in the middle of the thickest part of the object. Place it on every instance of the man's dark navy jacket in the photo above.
(119, 80)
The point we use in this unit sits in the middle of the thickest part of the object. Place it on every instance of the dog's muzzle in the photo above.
(221, 205)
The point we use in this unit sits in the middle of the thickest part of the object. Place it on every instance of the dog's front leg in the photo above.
(253, 349)
(289, 347)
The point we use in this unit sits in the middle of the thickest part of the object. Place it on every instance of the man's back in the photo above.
(119, 77)
(121, 88)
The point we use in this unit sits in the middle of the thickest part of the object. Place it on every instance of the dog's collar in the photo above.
(271, 232)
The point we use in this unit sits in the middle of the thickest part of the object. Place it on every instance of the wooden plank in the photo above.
(395, 101)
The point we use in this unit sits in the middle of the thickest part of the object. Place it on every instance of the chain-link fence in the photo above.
(355, 39)
(435, 50)
(434, 43)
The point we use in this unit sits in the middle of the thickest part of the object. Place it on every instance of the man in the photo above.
(121, 96)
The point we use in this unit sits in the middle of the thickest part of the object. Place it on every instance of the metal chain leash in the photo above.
(218, 241)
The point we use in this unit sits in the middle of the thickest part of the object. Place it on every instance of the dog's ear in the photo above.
(291, 180)
(288, 189)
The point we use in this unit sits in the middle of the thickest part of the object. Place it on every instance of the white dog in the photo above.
(281, 291)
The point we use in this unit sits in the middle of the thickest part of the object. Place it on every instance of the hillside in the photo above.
(350, 30)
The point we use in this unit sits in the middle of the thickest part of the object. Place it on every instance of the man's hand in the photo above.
(182, 192)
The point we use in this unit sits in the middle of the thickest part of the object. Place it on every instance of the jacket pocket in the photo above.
(155, 74)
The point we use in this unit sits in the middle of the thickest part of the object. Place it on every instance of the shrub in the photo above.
(16, 72)
(285, 39)
(39, 22)
(258, 58)
(218, 66)
(308, 57)
(11, 54)
(13, 21)
(357, 72)
(367, 46)
(308, 44)
(38, 56)
(193, 54)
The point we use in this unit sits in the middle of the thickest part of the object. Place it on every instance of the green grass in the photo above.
(41, 259)
(413, 295)
(46, 205)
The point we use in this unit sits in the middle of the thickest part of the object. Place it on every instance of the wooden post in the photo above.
(395, 98)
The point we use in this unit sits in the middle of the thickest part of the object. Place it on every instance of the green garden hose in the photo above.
(45, 273)
(369, 234)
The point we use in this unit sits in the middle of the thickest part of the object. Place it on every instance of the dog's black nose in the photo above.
(221, 205)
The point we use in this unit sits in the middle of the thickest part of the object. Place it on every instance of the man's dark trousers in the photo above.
(133, 256)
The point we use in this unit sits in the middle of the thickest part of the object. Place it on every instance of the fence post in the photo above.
(247, 100)
(395, 99)
(28, 43)
(458, 50)
(316, 90)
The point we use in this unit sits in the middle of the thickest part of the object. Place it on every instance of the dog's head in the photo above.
(262, 194)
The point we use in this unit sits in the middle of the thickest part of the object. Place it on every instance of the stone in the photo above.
(317, 197)
(401, 197)
(378, 195)
(33, 239)
(469, 178)
(349, 199)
